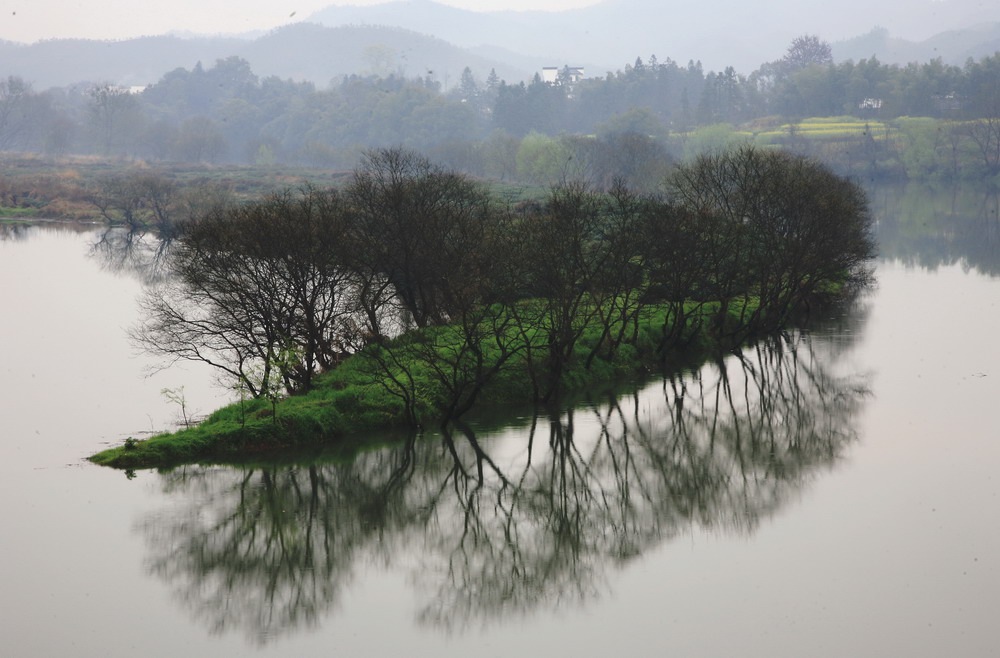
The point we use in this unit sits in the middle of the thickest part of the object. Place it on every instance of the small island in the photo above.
(413, 294)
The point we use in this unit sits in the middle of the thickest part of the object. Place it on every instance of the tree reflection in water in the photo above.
(269, 550)
(13, 231)
(500, 524)
(141, 254)
(932, 226)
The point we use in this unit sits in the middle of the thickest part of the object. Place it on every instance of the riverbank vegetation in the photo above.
(917, 122)
(132, 193)
(102, 153)
(413, 293)
(136, 193)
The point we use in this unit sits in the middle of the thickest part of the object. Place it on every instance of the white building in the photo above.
(550, 74)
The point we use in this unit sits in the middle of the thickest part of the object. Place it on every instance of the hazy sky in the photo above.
(31, 20)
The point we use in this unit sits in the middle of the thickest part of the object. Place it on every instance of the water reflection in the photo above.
(18, 231)
(140, 254)
(932, 226)
(495, 524)
(13, 231)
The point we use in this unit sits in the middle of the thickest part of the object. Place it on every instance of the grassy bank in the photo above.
(349, 401)
(61, 187)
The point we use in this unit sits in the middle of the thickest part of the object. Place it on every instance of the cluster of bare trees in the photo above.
(781, 228)
(147, 200)
(276, 291)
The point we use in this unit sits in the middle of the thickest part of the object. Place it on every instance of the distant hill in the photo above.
(64, 62)
(306, 51)
(952, 47)
(302, 51)
(601, 38)
(421, 37)
(718, 33)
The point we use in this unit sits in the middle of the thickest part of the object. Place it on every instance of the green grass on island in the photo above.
(349, 401)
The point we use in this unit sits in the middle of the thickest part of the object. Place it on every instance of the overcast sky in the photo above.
(31, 20)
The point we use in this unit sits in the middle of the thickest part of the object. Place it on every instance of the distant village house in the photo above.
(571, 74)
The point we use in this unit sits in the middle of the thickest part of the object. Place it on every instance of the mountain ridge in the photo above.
(342, 40)
(301, 51)
(719, 33)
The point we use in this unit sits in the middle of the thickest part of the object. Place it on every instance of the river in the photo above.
(831, 493)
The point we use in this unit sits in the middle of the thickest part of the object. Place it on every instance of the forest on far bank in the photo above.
(878, 121)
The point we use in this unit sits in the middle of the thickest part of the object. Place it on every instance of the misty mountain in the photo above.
(63, 62)
(719, 33)
(952, 47)
(424, 38)
(602, 38)
(302, 51)
(306, 51)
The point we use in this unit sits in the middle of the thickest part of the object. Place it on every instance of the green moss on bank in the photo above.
(347, 402)
(8, 214)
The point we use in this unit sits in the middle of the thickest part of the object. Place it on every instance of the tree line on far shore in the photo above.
(646, 113)
(428, 273)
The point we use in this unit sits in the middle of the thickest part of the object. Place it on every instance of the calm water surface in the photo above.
(834, 493)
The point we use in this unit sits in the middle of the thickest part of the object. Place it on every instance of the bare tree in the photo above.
(114, 117)
(984, 131)
(575, 260)
(138, 200)
(804, 51)
(259, 292)
(479, 343)
(789, 224)
(420, 227)
(15, 111)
